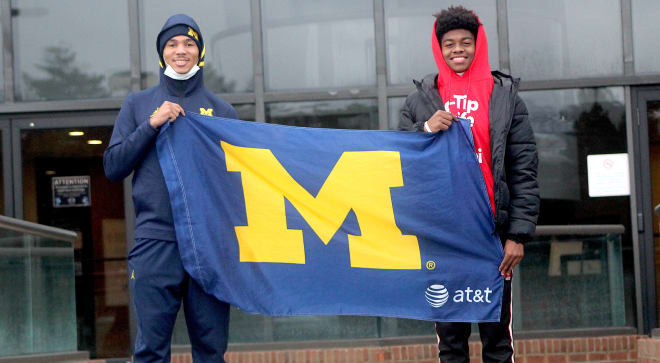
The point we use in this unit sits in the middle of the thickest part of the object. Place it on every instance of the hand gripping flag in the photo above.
(287, 220)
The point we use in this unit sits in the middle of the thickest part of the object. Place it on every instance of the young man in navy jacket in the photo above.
(157, 278)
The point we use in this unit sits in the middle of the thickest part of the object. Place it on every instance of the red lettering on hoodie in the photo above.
(468, 96)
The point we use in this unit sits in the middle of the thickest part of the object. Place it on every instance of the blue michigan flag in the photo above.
(287, 220)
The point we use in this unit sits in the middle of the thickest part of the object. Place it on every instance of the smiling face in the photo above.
(458, 47)
(181, 53)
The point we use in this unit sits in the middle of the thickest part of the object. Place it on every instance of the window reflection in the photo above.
(409, 27)
(312, 44)
(245, 112)
(257, 328)
(353, 114)
(226, 28)
(2, 65)
(572, 282)
(60, 55)
(565, 39)
(569, 125)
(394, 106)
(2, 179)
(645, 29)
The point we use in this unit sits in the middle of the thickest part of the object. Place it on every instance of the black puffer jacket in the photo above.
(513, 151)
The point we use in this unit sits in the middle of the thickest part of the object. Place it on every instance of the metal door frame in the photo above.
(51, 121)
(5, 131)
(643, 209)
(13, 161)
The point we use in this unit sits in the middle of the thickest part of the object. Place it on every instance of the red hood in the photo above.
(468, 96)
(479, 69)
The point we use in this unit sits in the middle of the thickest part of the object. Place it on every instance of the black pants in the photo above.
(496, 339)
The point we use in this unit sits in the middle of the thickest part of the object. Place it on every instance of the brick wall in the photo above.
(596, 349)
(649, 350)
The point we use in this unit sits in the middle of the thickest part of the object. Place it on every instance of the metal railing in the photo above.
(36, 229)
(40, 230)
(37, 277)
(582, 229)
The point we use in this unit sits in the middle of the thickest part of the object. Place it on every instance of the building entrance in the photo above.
(646, 116)
(62, 184)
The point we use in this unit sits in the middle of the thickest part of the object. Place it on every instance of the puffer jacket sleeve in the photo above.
(408, 120)
(521, 163)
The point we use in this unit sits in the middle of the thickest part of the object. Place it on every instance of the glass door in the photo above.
(646, 116)
(59, 181)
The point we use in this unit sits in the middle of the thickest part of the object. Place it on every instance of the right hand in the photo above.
(441, 120)
(168, 111)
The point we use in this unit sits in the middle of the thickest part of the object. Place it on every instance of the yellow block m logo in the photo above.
(360, 181)
(193, 33)
(206, 111)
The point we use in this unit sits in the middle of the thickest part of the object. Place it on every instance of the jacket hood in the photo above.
(181, 19)
(184, 87)
(479, 69)
(468, 96)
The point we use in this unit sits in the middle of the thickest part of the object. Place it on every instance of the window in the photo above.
(409, 28)
(394, 106)
(565, 39)
(645, 28)
(227, 32)
(61, 54)
(569, 125)
(314, 44)
(245, 111)
(353, 114)
(2, 65)
(576, 271)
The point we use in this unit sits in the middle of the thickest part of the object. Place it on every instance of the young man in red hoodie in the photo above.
(505, 147)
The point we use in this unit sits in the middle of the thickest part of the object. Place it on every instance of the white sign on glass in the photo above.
(608, 175)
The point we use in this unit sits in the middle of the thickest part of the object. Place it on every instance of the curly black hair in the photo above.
(456, 17)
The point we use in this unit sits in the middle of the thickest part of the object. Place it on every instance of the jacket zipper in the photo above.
(434, 107)
(181, 94)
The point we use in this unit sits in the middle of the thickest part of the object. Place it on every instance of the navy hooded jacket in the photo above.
(132, 147)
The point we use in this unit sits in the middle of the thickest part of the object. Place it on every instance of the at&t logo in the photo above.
(437, 295)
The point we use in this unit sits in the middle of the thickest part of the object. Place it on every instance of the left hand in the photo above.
(513, 254)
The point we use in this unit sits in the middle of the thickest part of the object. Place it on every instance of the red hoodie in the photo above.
(468, 96)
